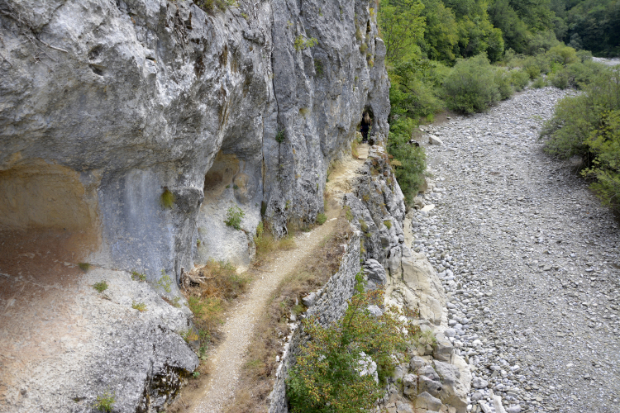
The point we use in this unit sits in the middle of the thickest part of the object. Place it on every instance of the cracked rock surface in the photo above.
(529, 260)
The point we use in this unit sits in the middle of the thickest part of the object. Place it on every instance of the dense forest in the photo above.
(447, 29)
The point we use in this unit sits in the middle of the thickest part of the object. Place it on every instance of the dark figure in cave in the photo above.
(365, 127)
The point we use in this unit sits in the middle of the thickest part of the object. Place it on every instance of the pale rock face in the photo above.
(414, 282)
(143, 96)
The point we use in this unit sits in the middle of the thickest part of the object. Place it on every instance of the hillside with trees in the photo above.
(467, 55)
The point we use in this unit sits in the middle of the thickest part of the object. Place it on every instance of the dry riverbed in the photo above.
(530, 260)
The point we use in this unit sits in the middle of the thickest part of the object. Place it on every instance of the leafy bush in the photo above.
(84, 266)
(519, 79)
(504, 83)
(588, 125)
(165, 282)
(411, 159)
(584, 56)
(234, 215)
(561, 80)
(539, 83)
(280, 136)
(577, 75)
(562, 54)
(327, 376)
(604, 145)
(321, 218)
(532, 68)
(467, 89)
(541, 42)
(413, 92)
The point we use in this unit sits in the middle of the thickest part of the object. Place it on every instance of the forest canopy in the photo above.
(445, 30)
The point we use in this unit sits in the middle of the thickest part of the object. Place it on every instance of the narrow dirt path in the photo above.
(531, 262)
(228, 358)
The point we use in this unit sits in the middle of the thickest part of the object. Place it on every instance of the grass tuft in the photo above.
(321, 218)
(105, 402)
(138, 306)
(217, 286)
(136, 276)
(101, 286)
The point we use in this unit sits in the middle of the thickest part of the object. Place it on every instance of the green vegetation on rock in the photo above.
(328, 375)
(105, 402)
(234, 215)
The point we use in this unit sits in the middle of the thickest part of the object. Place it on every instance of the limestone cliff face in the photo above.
(164, 116)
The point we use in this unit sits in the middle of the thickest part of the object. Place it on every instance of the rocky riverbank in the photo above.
(529, 260)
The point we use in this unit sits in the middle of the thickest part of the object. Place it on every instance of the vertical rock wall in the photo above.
(142, 97)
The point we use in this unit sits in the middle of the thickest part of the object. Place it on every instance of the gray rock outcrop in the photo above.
(154, 99)
(134, 128)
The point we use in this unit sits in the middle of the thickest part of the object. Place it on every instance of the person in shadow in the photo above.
(365, 126)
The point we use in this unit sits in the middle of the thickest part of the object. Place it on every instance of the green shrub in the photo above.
(504, 85)
(280, 136)
(588, 125)
(326, 377)
(561, 79)
(532, 68)
(562, 54)
(519, 79)
(301, 42)
(541, 42)
(321, 218)
(318, 68)
(234, 215)
(84, 266)
(539, 83)
(409, 169)
(100, 286)
(604, 145)
(577, 75)
(105, 402)
(468, 88)
(414, 86)
(584, 56)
